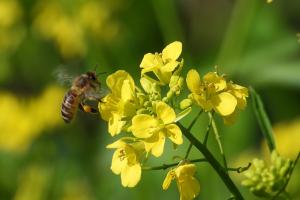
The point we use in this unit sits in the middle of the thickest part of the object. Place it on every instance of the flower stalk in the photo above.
(166, 166)
(213, 162)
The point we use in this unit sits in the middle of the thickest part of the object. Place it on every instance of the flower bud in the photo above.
(185, 103)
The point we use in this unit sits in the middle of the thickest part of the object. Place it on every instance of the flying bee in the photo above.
(84, 87)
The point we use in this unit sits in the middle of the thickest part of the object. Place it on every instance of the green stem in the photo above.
(189, 129)
(218, 138)
(213, 162)
(239, 169)
(207, 131)
(166, 166)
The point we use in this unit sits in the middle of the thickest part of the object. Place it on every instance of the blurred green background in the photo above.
(253, 42)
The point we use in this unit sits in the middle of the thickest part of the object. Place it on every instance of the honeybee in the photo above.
(84, 87)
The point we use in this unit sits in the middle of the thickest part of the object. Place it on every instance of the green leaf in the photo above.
(263, 119)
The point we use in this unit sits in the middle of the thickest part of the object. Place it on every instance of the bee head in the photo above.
(92, 76)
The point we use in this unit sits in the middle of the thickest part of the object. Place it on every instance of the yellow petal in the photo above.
(224, 103)
(131, 175)
(174, 133)
(170, 66)
(165, 112)
(115, 81)
(148, 62)
(143, 126)
(218, 81)
(115, 124)
(185, 170)
(170, 176)
(158, 147)
(117, 144)
(117, 163)
(172, 51)
(189, 188)
(127, 92)
(193, 81)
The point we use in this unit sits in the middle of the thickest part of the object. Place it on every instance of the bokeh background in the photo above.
(253, 42)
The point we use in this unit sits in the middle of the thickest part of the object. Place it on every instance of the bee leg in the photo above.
(87, 108)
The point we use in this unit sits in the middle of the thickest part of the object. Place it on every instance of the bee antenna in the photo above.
(100, 73)
(96, 67)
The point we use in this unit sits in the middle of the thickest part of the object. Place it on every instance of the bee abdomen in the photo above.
(69, 106)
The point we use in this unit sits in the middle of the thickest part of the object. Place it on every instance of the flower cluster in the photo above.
(143, 112)
(215, 93)
(71, 28)
(266, 180)
(147, 115)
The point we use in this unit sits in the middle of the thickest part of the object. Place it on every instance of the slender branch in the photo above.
(189, 129)
(194, 120)
(208, 130)
(213, 162)
(166, 166)
(218, 138)
(240, 169)
(282, 190)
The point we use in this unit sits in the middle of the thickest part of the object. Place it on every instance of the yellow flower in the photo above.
(163, 64)
(187, 184)
(155, 129)
(125, 161)
(241, 94)
(214, 93)
(23, 120)
(121, 103)
(210, 93)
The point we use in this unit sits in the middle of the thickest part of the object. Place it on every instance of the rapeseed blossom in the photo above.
(187, 184)
(155, 129)
(126, 162)
(162, 64)
(146, 116)
(214, 93)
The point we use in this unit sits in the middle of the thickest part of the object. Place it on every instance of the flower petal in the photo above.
(127, 91)
(115, 81)
(165, 112)
(115, 124)
(174, 133)
(218, 81)
(131, 175)
(193, 81)
(170, 66)
(158, 147)
(170, 176)
(117, 164)
(143, 126)
(224, 103)
(172, 51)
(148, 62)
(117, 144)
(189, 188)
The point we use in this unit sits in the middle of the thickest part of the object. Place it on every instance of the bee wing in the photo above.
(63, 76)
(96, 95)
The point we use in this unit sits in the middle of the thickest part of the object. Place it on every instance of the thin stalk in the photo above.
(213, 162)
(218, 138)
(239, 169)
(166, 166)
(207, 130)
(189, 129)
